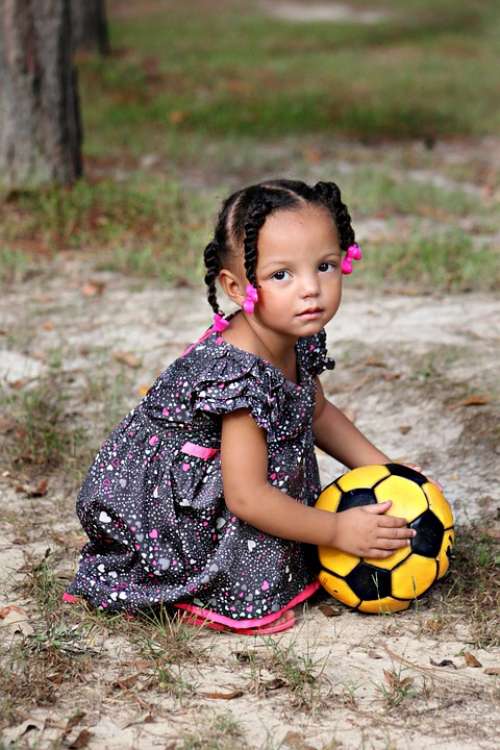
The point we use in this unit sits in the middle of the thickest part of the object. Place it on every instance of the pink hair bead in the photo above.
(251, 298)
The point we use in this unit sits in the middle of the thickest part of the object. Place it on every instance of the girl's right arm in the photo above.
(364, 531)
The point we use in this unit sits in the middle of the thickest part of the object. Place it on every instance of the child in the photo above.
(201, 497)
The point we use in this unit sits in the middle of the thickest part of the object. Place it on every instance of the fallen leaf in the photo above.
(477, 400)
(38, 489)
(48, 325)
(471, 660)
(82, 740)
(223, 696)
(143, 390)
(176, 117)
(127, 358)
(93, 288)
(146, 718)
(374, 362)
(73, 721)
(374, 655)
(405, 429)
(492, 670)
(296, 741)
(388, 376)
(4, 611)
(329, 611)
(443, 663)
(126, 682)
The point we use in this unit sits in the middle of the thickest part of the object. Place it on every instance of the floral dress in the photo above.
(152, 502)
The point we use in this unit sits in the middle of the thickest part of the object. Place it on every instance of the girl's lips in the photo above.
(315, 313)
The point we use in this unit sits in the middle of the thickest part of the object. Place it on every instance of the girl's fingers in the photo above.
(377, 507)
(377, 552)
(397, 533)
(391, 521)
(392, 543)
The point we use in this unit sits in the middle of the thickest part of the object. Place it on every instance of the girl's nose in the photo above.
(310, 286)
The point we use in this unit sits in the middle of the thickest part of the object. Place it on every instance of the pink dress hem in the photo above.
(207, 614)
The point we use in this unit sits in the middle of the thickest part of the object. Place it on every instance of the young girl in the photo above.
(202, 496)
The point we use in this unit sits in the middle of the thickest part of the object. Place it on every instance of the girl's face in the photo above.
(298, 271)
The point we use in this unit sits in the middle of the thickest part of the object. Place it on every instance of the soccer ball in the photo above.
(388, 584)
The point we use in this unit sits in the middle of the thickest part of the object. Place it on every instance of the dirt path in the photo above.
(419, 374)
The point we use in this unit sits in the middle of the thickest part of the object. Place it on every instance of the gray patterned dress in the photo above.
(152, 502)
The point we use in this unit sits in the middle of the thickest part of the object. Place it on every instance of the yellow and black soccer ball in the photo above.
(388, 584)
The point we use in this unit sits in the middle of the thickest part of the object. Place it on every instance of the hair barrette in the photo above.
(251, 298)
(353, 253)
(220, 323)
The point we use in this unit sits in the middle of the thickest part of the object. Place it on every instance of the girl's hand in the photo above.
(367, 532)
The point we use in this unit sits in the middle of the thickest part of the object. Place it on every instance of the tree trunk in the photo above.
(40, 129)
(90, 25)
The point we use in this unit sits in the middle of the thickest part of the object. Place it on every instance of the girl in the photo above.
(201, 497)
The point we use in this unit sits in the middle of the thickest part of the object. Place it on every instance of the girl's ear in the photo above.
(232, 286)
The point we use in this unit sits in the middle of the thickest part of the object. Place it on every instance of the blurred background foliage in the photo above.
(199, 98)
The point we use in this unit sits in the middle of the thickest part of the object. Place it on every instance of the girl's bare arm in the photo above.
(248, 494)
(335, 434)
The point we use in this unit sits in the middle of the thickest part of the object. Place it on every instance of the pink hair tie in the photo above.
(353, 253)
(251, 298)
(220, 323)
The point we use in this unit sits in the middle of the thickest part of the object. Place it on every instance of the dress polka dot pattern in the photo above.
(152, 502)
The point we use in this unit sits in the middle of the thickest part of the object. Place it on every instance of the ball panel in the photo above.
(388, 563)
(340, 563)
(382, 606)
(429, 537)
(408, 500)
(356, 498)
(368, 582)
(363, 476)
(445, 552)
(400, 470)
(438, 504)
(414, 577)
(329, 498)
(338, 588)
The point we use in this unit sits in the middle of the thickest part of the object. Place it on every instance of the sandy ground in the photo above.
(407, 367)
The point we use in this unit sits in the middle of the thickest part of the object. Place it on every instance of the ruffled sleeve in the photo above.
(238, 381)
(313, 353)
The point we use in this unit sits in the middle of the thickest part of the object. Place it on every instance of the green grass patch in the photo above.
(154, 227)
(445, 260)
(472, 590)
(425, 71)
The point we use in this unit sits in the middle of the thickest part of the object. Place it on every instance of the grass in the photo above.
(444, 260)
(472, 591)
(41, 438)
(339, 78)
(220, 732)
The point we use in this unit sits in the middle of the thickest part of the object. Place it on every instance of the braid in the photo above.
(213, 266)
(256, 217)
(329, 195)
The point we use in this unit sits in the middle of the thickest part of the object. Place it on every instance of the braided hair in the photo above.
(243, 215)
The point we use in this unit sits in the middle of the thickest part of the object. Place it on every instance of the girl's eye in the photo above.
(326, 266)
(279, 275)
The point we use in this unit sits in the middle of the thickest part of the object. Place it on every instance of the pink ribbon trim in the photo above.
(207, 614)
(199, 451)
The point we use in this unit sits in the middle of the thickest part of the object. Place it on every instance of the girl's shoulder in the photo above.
(214, 377)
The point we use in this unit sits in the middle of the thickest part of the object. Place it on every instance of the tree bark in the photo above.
(90, 25)
(40, 126)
